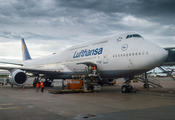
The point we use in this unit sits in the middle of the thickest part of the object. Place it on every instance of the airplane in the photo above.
(161, 74)
(152, 74)
(120, 56)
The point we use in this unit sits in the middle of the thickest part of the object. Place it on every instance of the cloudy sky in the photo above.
(50, 26)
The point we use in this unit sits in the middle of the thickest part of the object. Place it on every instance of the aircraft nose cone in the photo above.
(160, 55)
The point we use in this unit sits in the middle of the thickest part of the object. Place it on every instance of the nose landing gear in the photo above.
(127, 87)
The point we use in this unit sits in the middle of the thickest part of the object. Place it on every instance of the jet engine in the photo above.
(17, 77)
(106, 81)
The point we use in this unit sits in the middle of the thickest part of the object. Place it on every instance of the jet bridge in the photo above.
(169, 62)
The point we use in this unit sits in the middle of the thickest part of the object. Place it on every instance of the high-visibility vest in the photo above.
(42, 84)
(37, 85)
(94, 68)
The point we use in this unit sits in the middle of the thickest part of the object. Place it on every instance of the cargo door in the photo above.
(105, 57)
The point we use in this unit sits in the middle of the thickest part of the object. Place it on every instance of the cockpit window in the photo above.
(134, 35)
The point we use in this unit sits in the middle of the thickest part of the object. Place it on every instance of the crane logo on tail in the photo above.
(26, 55)
(23, 49)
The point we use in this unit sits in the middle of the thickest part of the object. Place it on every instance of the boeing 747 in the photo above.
(123, 55)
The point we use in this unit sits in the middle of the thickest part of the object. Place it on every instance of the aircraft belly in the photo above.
(104, 74)
(121, 73)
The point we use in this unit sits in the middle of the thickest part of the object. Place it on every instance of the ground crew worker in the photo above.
(90, 69)
(94, 69)
(42, 86)
(37, 86)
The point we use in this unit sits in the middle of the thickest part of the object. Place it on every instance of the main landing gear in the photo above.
(127, 87)
(47, 82)
(35, 81)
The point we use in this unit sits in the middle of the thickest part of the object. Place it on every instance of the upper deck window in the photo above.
(134, 35)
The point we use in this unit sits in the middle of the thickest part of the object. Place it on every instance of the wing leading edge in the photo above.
(38, 70)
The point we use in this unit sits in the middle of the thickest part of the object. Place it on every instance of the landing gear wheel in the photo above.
(124, 89)
(144, 85)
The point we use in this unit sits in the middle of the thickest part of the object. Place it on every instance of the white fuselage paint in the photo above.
(120, 57)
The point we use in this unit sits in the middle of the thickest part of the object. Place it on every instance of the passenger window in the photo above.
(132, 54)
(123, 55)
(113, 55)
(126, 54)
(142, 53)
(136, 53)
(139, 53)
(147, 52)
(118, 55)
(129, 54)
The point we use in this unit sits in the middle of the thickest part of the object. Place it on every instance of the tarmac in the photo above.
(110, 103)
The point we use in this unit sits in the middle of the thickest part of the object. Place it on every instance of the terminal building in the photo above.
(170, 61)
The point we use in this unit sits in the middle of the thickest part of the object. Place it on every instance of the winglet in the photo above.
(25, 52)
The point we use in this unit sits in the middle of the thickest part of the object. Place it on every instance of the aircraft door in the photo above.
(105, 57)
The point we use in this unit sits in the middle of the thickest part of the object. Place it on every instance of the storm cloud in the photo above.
(52, 25)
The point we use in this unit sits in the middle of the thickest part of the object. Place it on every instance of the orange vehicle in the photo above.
(74, 84)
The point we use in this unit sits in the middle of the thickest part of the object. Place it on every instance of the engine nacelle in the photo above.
(17, 77)
(106, 81)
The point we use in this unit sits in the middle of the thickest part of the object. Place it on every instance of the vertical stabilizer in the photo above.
(25, 52)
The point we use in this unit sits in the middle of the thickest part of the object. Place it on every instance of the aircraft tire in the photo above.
(144, 85)
(124, 89)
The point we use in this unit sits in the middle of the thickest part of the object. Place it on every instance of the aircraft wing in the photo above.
(37, 70)
(11, 63)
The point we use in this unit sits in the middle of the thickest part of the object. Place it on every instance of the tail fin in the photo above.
(25, 52)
